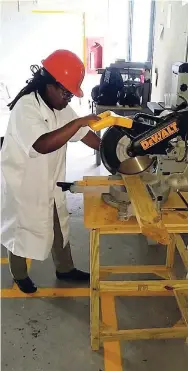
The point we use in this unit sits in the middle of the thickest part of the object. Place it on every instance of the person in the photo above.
(33, 156)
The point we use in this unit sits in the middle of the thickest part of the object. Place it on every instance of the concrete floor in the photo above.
(52, 334)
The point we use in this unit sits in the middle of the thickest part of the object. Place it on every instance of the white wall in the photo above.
(27, 38)
(171, 46)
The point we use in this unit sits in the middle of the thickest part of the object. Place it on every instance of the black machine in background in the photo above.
(124, 83)
(130, 95)
(108, 91)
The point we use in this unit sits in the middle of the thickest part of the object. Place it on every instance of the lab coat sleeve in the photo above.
(27, 126)
(81, 133)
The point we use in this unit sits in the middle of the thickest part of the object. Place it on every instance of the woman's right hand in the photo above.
(84, 121)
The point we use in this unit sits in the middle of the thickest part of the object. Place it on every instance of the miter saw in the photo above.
(156, 147)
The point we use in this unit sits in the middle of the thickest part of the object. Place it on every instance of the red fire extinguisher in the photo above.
(96, 56)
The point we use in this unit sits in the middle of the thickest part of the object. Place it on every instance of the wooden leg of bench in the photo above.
(94, 289)
(170, 252)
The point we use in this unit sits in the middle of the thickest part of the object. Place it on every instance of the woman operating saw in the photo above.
(34, 214)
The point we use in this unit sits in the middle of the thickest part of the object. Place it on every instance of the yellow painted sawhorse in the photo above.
(102, 219)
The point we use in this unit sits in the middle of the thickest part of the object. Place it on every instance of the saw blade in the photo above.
(114, 154)
(108, 146)
(135, 165)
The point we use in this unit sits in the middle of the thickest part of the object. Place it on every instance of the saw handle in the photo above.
(102, 124)
(107, 120)
(96, 125)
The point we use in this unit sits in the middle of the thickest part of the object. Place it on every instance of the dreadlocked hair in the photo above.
(36, 84)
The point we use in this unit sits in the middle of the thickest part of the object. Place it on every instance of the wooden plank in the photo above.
(133, 269)
(94, 289)
(158, 270)
(178, 229)
(129, 227)
(140, 293)
(182, 300)
(185, 195)
(109, 180)
(163, 274)
(90, 181)
(112, 351)
(145, 334)
(29, 261)
(174, 200)
(147, 216)
(171, 247)
(132, 227)
(176, 222)
(4, 260)
(182, 249)
(46, 292)
(150, 286)
(180, 323)
(97, 214)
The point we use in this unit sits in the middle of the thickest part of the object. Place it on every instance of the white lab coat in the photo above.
(28, 181)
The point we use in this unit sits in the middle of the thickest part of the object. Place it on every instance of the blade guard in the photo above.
(109, 119)
(112, 158)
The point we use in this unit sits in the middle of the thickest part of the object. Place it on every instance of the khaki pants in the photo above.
(61, 256)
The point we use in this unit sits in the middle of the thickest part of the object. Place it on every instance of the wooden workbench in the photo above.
(101, 218)
(104, 217)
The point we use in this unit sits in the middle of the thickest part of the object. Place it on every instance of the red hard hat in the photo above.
(67, 69)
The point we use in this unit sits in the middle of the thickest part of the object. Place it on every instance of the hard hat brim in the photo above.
(79, 93)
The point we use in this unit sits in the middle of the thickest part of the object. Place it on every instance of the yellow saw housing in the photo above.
(109, 119)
